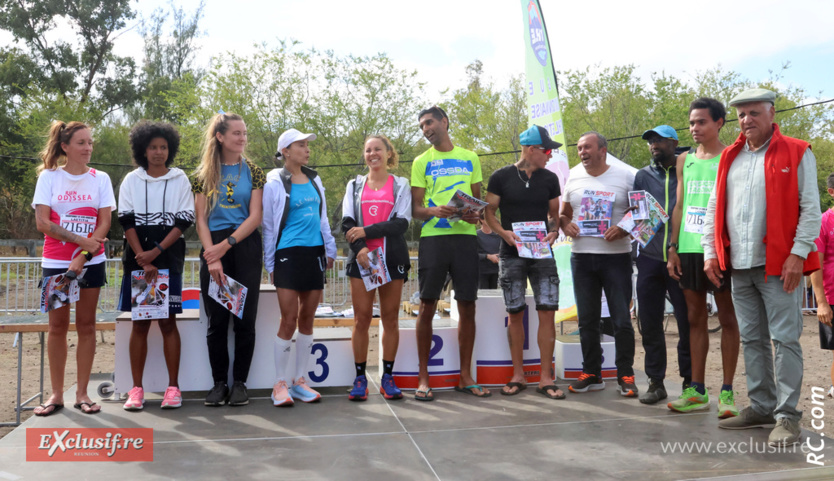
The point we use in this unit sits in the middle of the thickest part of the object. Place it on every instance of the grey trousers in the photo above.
(767, 313)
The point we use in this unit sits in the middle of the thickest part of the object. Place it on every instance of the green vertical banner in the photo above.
(543, 106)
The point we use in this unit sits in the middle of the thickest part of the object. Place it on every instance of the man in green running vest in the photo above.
(697, 170)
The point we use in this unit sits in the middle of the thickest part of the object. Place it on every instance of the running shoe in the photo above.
(218, 394)
(690, 400)
(389, 389)
(281, 394)
(726, 405)
(587, 382)
(626, 386)
(304, 393)
(360, 389)
(172, 398)
(135, 399)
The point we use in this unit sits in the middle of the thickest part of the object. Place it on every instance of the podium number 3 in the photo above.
(436, 346)
(325, 369)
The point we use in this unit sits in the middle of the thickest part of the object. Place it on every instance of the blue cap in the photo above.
(664, 131)
(536, 135)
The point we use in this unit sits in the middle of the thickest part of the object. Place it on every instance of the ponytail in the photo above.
(53, 154)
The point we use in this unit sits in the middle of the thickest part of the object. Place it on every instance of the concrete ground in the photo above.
(590, 436)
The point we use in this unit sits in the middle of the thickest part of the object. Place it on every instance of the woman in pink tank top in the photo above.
(376, 212)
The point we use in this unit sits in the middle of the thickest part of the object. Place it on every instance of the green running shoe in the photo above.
(690, 400)
(726, 405)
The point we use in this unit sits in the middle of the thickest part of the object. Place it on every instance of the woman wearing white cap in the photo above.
(298, 247)
(228, 190)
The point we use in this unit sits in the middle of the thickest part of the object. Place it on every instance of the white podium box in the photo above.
(333, 364)
(568, 353)
(493, 363)
(444, 357)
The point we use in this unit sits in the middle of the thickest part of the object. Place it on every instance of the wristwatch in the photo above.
(672, 244)
(87, 255)
(232, 241)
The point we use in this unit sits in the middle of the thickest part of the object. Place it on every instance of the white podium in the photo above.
(333, 365)
(444, 359)
(493, 362)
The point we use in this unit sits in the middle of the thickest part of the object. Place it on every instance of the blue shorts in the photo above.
(174, 294)
(544, 279)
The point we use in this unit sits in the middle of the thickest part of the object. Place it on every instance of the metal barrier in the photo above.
(20, 278)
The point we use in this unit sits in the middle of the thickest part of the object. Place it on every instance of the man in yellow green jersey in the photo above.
(697, 171)
(447, 247)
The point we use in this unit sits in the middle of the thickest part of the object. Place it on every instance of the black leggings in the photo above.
(243, 262)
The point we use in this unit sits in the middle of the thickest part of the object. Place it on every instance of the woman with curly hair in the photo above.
(72, 207)
(228, 190)
(376, 212)
(155, 208)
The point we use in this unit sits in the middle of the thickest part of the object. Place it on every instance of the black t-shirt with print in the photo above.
(520, 203)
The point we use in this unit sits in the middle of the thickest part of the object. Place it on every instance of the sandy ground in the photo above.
(817, 364)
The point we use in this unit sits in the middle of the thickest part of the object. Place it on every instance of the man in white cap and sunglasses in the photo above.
(762, 220)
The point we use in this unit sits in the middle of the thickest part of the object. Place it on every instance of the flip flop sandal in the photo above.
(425, 397)
(55, 409)
(469, 390)
(519, 387)
(543, 390)
(89, 410)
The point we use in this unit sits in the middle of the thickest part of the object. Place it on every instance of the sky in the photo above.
(439, 38)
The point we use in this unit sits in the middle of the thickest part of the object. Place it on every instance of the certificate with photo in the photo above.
(231, 295)
(532, 244)
(149, 300)
(377, 272)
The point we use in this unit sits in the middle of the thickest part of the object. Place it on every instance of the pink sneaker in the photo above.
(281, 394)
(135, 399)
(172, 399)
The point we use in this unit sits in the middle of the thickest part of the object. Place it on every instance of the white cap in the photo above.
(290, 136)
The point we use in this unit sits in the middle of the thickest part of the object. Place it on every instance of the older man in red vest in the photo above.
(762, 220)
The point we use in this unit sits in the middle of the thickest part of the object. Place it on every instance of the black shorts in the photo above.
(93, 278)
(826, 337)
(300, 268)
(695, 279)
(456, 255)
(396, 272)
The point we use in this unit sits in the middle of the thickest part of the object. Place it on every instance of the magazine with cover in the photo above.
(532, 244)
(232, 295)
(644, 230)
(639, 199)
(377, 272)
(149, 301)
(595, 209)
(464, 203)
(57, 293)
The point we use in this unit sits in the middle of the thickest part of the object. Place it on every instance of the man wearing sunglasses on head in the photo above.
(527, 192)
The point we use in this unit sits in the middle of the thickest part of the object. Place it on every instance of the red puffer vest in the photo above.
(781, 194)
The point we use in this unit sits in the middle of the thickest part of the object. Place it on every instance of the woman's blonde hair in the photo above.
(394, 160)
(53, 154)
(208, 174)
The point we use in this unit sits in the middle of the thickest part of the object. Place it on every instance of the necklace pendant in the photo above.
(527, 185)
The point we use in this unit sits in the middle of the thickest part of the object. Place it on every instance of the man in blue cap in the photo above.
(527, 192)
(660, 179)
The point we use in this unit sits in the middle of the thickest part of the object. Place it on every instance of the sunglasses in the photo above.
(544, 151)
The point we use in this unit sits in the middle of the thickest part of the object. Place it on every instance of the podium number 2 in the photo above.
(436, 346)
(325, 369)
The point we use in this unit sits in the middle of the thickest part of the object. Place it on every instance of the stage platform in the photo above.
(598, 435)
